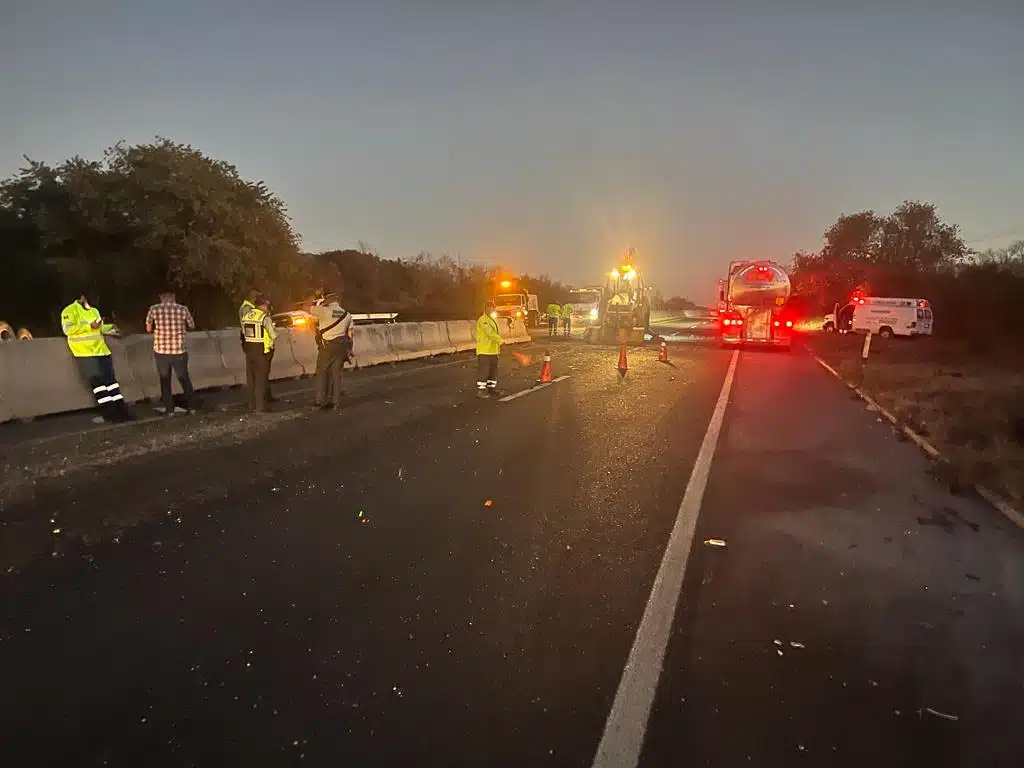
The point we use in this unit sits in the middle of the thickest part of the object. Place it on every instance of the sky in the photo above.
(549, 136)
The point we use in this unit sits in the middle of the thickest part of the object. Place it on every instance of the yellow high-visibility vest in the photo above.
(488, 338)
(84, 340)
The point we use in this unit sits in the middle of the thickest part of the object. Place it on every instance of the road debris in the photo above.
(488, 503)
(795, 644)
(715, 542)
(943, 715)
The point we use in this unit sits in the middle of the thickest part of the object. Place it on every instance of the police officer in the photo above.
(333, 337)
(258, 336)
(488, 347)
(554, 313)
(566, 319)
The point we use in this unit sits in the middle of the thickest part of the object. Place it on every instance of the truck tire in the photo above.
(885, 332)
(829, 328)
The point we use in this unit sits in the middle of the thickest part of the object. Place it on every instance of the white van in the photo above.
(884, 316)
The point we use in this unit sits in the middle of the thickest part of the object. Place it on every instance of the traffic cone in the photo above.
(545, 370)
(663, 353)
(623, 367)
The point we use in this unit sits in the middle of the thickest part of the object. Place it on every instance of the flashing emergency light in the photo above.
(506, 283)
(627, 267)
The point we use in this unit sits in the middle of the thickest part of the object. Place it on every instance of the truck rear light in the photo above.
(776, 323)
(789, 323)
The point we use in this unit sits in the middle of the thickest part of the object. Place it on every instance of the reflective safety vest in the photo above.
(566, 311)
(84, 340)
(488, 338)
(245, 307)
(253, 330)
(554, 310)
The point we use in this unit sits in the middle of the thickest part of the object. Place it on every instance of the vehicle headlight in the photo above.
(593, 313)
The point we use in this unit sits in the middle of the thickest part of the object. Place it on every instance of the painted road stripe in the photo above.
(623, 737)
(534, 388)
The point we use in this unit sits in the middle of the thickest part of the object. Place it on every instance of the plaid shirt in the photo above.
(169, 321)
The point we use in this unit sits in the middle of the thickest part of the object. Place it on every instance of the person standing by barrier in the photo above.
(334, 343)
(488, 347)
(554, 313)
(168, 321)
(258, 334)
(566, 320)
(85, 330)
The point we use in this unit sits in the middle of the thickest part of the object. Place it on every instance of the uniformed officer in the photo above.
(334, 340)
(258, 336)
(488, 347)
(554, 313)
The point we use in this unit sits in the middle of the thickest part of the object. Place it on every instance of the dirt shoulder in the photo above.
(968, 404)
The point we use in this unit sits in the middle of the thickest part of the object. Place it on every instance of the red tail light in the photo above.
(789, 323)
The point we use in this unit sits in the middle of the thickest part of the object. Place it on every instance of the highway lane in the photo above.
(431, 579)
(858, 607)
(340, 588)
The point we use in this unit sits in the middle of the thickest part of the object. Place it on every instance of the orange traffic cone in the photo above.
(623, 367)
(663, 353)
(545, 370)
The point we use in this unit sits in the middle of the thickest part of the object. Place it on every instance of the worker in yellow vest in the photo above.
(554, 312)
(252, 298)
(566, 319)
(85, 330)
(259, 335)
(488, 347)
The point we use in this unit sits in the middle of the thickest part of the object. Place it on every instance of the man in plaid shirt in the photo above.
(168, 321)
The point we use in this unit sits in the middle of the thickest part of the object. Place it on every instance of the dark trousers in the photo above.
(552, 325)
(270, 362)
(330, 365)
(566, 326)
(486, 372)
(178, 364)
(257, 374)
(98, 371)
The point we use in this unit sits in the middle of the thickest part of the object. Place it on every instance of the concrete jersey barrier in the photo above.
(39, 377)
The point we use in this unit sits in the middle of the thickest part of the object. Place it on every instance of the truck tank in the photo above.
(759, 285)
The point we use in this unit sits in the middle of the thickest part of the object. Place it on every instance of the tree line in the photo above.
(912, 252)
(159, 215)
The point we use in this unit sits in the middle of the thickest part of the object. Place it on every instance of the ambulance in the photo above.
(884, 316)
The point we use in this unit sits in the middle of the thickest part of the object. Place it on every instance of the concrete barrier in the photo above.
(40, 377)
(371, 345)
(285, 364)
(406, 341)
(206, 364)
(304, 349)
(435, 339)
(460, 333)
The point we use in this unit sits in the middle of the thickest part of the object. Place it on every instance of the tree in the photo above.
(145, 217)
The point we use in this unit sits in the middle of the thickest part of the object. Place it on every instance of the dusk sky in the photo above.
(548, 136)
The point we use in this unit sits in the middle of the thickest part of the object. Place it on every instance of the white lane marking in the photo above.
(623, 737)
(534, 388)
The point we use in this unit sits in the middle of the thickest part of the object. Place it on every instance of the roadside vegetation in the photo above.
(963, 388)
(151, 215)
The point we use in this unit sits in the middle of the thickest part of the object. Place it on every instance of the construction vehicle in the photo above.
(510, 304)
(586, 305)
(624, 312)
(752, 305)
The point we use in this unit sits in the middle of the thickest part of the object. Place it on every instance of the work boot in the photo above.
(495, 392)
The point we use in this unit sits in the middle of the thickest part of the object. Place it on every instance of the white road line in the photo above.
(534, 388)
(623, 737)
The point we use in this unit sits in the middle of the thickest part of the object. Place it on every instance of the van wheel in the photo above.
(829, 328)
(885, 332)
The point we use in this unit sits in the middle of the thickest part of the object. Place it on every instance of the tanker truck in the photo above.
(752, 305)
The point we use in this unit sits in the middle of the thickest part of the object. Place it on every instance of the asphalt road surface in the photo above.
(430, 579)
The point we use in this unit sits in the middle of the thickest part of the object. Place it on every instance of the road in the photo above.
(430, 579)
